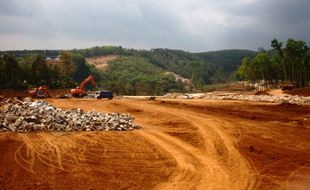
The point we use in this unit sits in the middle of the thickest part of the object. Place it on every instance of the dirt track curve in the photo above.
(184, 144)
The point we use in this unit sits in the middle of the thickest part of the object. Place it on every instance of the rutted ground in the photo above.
(184, 144)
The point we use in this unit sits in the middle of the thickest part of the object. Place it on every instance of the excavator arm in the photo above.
(80, 89)
(84, 82)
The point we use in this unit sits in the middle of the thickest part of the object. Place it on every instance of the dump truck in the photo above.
(104, 94)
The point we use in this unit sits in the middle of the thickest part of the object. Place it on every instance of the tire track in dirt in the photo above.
(218, 166)
(212, 163)
(297, 180)
(223, 129)
(107, 159)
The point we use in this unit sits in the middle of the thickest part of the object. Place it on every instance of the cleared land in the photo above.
(184, 144)
(101, 62)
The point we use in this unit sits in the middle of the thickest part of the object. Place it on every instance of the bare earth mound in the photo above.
(184, 144)
(101, 62)
(301, 92)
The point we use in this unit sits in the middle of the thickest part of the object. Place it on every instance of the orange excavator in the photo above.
(79, 90)
(39, 92)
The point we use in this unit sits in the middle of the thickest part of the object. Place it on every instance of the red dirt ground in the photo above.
(301, 92)
(9, 93)
(184, 144)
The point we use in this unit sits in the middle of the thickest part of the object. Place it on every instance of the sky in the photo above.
(191, 25)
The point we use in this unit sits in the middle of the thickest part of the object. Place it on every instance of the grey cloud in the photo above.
(196, 25)
(19, 8)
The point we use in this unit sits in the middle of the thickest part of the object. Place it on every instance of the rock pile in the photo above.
(299, 100)
(178, 96)
(32, 116)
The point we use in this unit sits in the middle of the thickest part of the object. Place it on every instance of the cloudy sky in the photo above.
(192, 25)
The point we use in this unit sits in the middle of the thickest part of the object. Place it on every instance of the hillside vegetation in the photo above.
(201, 68)
(133, 72)
(143, 72)
(146, 72)
(225, 62)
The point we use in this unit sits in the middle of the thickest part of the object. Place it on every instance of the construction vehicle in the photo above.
(39, 92)
(104, 94)
(79, 90)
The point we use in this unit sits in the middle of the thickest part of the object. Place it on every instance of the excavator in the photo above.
(79, 90)
(39, 92)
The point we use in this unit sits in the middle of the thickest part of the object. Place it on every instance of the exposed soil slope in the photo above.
(101, 62)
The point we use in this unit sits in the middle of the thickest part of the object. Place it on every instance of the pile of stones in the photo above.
(33, 116)
(289, 99)
(177, 96)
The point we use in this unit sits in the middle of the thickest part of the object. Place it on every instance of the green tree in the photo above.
(244, 72)
(10, 72)
(81, 70)
(261, 66)
(42, 71)
(295, 58)
(68, 68)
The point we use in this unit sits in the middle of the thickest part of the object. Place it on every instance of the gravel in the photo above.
(32, 116)
(290, 99)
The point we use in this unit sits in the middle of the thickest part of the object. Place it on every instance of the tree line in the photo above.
(34, 69)
(289, 63)
(128, 75)
(201, 68)
(143, 72)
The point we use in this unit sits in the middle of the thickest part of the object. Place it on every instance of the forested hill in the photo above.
(226, 61)
(134, 72)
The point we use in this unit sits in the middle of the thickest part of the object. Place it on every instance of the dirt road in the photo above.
(184, 144)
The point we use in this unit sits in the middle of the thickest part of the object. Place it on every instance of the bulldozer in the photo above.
(39, 92)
